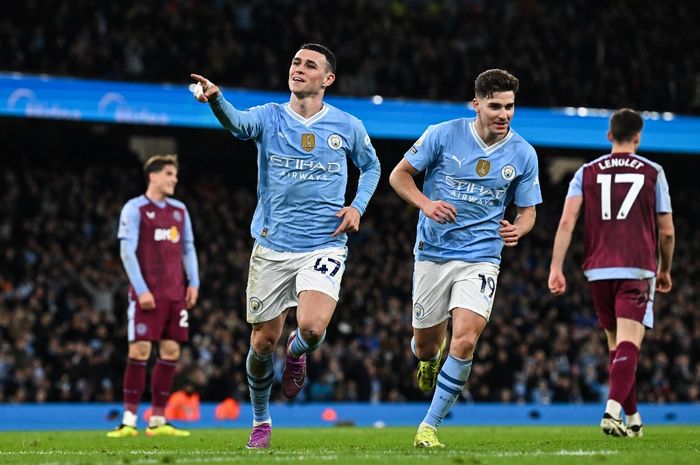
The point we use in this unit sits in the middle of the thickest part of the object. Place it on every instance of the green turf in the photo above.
(465, 445)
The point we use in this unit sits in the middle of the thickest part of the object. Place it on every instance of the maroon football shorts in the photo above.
(623, 298)
(169, 320)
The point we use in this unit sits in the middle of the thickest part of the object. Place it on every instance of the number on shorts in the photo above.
(488, 281)
(183, 319)
(324, 269)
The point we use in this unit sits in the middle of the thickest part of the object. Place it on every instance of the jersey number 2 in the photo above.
(637, 181)
(183, 319)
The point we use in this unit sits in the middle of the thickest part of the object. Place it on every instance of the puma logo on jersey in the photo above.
(459, 162)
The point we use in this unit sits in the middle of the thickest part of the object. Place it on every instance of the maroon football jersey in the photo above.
(619, 203)
(160, 249)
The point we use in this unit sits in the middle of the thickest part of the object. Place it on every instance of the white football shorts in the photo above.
(275, 279)
(438, 288)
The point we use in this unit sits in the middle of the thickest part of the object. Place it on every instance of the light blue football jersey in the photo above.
(302, 171)
(479, 181)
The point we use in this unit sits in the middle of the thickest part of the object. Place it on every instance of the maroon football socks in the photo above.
(134, 382)
(623, 378)
(161, 383)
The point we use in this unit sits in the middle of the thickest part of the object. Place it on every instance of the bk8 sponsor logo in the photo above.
(167, 234)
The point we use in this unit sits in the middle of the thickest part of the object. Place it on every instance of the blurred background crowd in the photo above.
(62, 287)
(63, 301)
(593, 53)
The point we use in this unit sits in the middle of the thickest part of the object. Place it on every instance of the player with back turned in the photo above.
(627, 223)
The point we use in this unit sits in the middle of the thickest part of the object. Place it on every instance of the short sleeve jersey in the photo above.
(480, 181)
(302, 173)
(622, 193)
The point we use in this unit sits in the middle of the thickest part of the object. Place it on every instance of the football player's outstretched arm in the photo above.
(242, 124)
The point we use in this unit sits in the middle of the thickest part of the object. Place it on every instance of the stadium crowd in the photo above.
(62, 286)
(573, 53)
(63, 302)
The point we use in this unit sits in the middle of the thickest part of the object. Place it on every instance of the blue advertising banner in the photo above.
(48, 97)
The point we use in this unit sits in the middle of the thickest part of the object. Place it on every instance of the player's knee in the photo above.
(463, 346)
(427, 350)
(170, 352)
(312, 336)
(263, 344)
(140, 350)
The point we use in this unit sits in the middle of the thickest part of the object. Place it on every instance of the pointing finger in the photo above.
(341, 228)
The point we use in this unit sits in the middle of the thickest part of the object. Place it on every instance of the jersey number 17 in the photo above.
(605, 180)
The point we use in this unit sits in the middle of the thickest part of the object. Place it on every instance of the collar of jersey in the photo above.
(155, 203)
(306, 121)
(488, 148)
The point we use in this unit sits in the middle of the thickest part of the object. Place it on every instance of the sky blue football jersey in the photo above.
(479, 181)
(302, 171)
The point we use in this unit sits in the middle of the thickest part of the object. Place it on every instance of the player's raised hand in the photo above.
(509, 233)
(204, 89)
(147, 301)
(191, 296)
(440, 211)
(663, 282)
(351, 220)
(557, 282)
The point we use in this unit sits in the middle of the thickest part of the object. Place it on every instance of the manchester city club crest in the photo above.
(483, 167)
(308, 142)
(418, 311)
(255, 305)
(508, 172)
(335, 142)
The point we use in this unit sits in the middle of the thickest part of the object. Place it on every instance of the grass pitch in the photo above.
(465, 445)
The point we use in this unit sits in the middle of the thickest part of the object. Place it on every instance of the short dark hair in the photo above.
(625, 123)
(156, 163)
(325, 51)
(495, 80)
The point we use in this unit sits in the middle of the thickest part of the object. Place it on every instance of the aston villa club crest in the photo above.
(483, 167)
(308, 142)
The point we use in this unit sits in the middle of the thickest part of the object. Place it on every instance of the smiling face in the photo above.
(493, 115)
(162, 183)
(309, 73)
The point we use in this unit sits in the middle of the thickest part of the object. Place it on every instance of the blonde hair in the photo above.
(157, 162)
